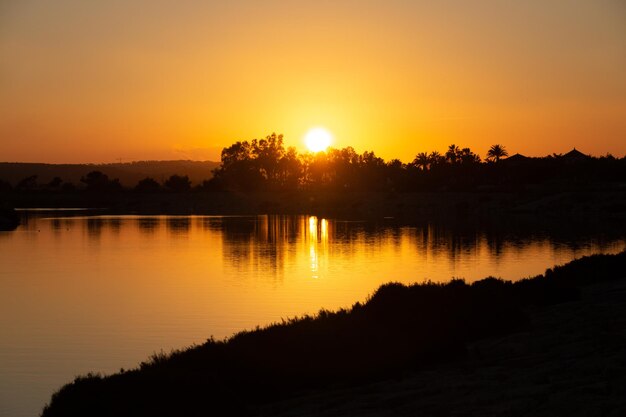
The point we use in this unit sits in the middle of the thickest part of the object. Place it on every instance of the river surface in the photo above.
(83, 294)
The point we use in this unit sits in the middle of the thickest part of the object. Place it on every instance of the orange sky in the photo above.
(85, 81)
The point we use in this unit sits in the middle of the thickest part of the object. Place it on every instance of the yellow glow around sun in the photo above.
(317, 139)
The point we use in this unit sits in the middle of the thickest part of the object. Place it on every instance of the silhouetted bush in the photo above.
(27, 184)
(178, 183)
(96, 181)
(54, 184)
(147, 185)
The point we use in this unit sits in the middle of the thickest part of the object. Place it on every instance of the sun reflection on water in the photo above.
(318, 243)
(133, 284)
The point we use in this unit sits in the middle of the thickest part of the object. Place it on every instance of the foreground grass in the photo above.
(570, 362)
(398, 329)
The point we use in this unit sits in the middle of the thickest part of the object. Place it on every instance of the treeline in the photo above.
(266, 165)
(128, 173)
(98, 182)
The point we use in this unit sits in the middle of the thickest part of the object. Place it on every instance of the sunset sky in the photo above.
(95, 81)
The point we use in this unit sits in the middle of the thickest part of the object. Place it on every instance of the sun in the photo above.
(318, 139)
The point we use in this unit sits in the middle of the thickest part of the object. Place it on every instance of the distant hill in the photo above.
(128, 173)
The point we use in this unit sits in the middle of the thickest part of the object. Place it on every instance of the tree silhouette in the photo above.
(453, 154)
(436, 159)
(467, 157)
(267, 154)
(237, 170)
(178, 183)
(98, 181)
(27, 184)
(496, 152)
(259, 164)
(147, 185)
(55, 183)
(422, 161)
(289, 169)
(266, 165)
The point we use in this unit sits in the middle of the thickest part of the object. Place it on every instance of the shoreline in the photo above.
(399, 331)
(559, 366)
(593, 210)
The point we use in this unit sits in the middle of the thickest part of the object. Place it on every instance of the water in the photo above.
(85, 293)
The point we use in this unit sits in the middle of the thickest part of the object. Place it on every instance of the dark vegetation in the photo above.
(266, 165)
(9, 219)
(262, 176)
(399, 329)
(53, 177)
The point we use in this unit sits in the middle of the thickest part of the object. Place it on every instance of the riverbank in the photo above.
(9, 219)
(399, 332)
(571, 361)
(598, 207)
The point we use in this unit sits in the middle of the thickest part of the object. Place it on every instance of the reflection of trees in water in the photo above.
(148, 225)
(178, 225)
(60, 224)
(278, 229)
(497, 238)
(455, 238)
(267, 243)
(260, 242)
(56, 225)
(237, 238)
(213, 224)
(456, 241)
(347, 238)
(94, 227)
(115, 224)
(264, 242)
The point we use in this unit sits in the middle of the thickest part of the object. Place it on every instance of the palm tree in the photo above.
(422, 160)
(436, 159)
(466, 156)
(496, 152)
(453, 154)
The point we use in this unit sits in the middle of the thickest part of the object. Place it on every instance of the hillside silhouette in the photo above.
(128, 174)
